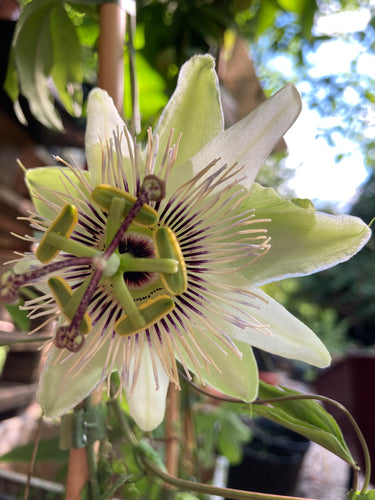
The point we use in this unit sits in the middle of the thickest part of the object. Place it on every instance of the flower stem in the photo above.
(186, 485)
(135, 126)
(33, 457)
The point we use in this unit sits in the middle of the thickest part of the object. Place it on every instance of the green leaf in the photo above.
(355, 495)
(148, 451)
(266, 16)
(152, 96)
(298, 6)
(306, 417)
(11, 80)
(232, 436)
(48, 451)
(19, 317)
(34, 60)
(67, 68)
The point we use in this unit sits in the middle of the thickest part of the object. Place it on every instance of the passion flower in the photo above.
(153, 256)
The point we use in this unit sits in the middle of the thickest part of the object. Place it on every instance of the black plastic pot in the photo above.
(272, 460)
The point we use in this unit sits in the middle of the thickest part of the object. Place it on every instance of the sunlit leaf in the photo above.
(298, 6)
(266, 15)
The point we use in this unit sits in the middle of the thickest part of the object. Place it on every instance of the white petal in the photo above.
(194, 108)
(250, 141)
(235, 377)
(146, 403)
(102, 120)
(303, 240)
(285, 335)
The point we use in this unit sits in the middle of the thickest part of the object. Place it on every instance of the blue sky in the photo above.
(316, 173)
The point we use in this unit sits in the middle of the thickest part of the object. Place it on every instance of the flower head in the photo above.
(153, 255)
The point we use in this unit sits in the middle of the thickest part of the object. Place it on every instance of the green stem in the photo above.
(33, 457)
(324, 399)
(184, 484)
(91, 461)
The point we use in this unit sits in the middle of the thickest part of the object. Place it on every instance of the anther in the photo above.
(152, 311)
(63, 225)
(77, 322)
(167, 247)
(68, 301)
(103, 194)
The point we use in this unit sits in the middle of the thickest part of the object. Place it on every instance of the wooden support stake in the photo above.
(111, 56)
(172, 421)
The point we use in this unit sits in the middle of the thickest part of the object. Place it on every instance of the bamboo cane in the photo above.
(111, 57)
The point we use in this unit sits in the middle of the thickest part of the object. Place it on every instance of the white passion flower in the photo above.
(155, 256)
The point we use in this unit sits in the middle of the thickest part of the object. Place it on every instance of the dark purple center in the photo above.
(138, 246)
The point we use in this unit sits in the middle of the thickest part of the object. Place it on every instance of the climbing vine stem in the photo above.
(150, 466)
(300, 397)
